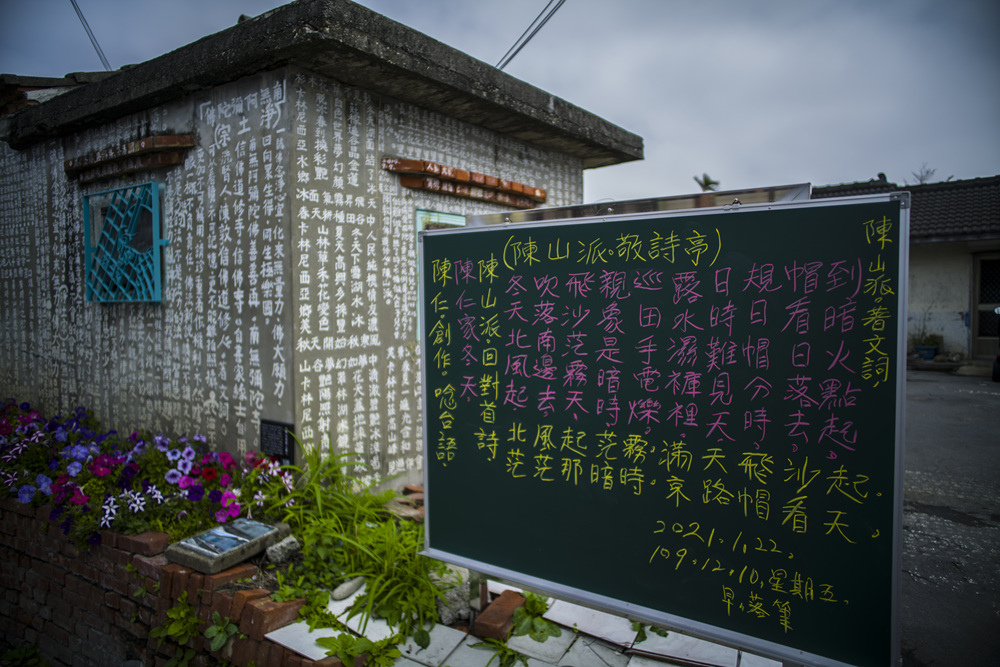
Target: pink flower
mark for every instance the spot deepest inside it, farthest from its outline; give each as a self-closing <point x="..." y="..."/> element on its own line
<point x="185" y="482"/>
<point x="225" y="479"/>
<point x="221" y="516"/>
<point x="229" y="504"/>
<point x="78" y="497"/>
<point x="226" y="459"/>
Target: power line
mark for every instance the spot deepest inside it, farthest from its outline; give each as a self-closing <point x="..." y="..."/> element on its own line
<point x="93" y="40"/>
<point x="533" y="29"/>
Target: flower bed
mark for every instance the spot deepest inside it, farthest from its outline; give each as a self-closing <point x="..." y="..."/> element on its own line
<point x="86" y="516"/>
<point x="97" y="481"/>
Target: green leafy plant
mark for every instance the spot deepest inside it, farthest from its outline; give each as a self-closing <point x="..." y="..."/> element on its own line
<point x="507" y="656"/>
<point x="641" y="635"/>
<point x="529" y="619"/>
<point x="219" y="632"/>
<point x="347" y="648"/>
<point x="346" y="532"/>
<point x="180" y="628"/>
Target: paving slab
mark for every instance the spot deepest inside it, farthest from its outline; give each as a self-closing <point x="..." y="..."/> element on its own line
<point x="752" y="660"/>
<point x="405" y="662"/>
<point x="296" y="637"/>
<point x="467" y="656"/>
<point x="444" y="641"/>
<point x="589" y="651"/>
<point x="683" y="647"/>
<point x="550" y="651"/>
<point x="611" y="628"/>
<point x="375" y="629"/>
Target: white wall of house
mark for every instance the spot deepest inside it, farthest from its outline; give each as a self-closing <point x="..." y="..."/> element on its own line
<point x="939" y="299"/>
<point x="290" y="282"/>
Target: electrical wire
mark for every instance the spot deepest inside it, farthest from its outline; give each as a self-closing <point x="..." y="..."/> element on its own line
<point x="93" y="40"/>
<point x="522" y="41"/>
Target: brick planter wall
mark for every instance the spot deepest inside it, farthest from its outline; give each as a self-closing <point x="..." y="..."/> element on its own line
<point x="86" y="608"/>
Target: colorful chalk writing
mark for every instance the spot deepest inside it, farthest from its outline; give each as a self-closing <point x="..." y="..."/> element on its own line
<point x="704" y="402"/>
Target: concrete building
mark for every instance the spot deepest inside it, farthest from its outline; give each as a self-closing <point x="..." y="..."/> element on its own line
<point x="225" y="236"/>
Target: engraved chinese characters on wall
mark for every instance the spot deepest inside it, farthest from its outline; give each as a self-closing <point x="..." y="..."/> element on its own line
<point x="336" y="230"/>
<point x="228" y="290"/>
<point x="715" y="392"/>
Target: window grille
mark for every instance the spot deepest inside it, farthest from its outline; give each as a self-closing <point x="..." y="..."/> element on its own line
<point x="122" y="252"/>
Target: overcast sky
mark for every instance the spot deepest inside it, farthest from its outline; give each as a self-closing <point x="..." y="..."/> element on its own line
<point x="753" y="92"/>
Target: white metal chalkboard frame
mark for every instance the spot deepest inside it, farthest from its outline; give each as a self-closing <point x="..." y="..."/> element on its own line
<point x="744" y="642"/>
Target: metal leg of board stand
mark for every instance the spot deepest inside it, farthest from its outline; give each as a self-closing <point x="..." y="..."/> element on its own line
<point x="477" y="579"/>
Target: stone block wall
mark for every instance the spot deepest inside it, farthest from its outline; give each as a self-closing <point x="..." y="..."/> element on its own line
<point x="96" y="607"/>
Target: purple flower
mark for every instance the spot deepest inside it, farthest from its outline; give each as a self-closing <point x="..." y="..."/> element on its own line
<point x="188" y="453"/>
<point x="44" y="484"/>
<point x="94" y="539"/>
<point x="173" y="476"/>
<point x="26" y="493"/>
<point x="161" y="442"/>
<point x="214" y="496"/>
<point x="173" y="454"/>
<point x="184" y="466"/>
<point x="61" y="435"/>
<point x="196" y="493"/>
<point x="74" y="468"/>
<point x="199" y="438"/>
<point x="79" y="452"/>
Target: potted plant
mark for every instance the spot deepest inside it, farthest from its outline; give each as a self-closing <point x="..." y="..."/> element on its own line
<point x="926" y="345"/>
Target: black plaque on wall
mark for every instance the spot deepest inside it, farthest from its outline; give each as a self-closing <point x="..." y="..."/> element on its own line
<point x="277" y="440"/>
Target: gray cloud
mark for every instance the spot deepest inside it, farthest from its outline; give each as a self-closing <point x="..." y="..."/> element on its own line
<point x="756" y="93"/>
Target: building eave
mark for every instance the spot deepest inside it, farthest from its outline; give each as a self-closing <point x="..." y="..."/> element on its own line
<point x="351" y="44"/>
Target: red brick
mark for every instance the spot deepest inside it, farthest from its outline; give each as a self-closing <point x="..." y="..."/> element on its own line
<point x="263" y="615"/>
<point x="243" y="571"/>
<point x="109" y="538"/>
<point x="240" y="599"/>
<point x="277" y="656"/>
<point x="69" y="549"/>
<point x="263" y="654"/>
<point x="244" y="650"/>
<point x="222" y="603"/>
<point x="116" y="584"/>
<point x="194" y="587"/>
<point x="145" y="544"/>
<point x="149" y="566"/>
<point x="497" y="619"/>
<point x="112" y="599"/>
<point x="127" y="607"/>
<point x="175" y="580"/>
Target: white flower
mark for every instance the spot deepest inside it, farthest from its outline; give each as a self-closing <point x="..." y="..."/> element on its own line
<point x="110" y="508"/>
<point x="155" y="493"/>
<point x="137" y="503"/>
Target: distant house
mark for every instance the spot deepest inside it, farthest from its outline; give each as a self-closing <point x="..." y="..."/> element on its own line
<point x="954" y="273"/>
<point x="225" y="237"/>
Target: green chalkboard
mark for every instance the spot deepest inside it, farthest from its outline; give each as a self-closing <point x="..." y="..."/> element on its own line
<point x="692" y="419"/>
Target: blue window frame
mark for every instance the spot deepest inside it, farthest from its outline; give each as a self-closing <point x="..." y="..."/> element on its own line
<point x="122" y="253"/>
